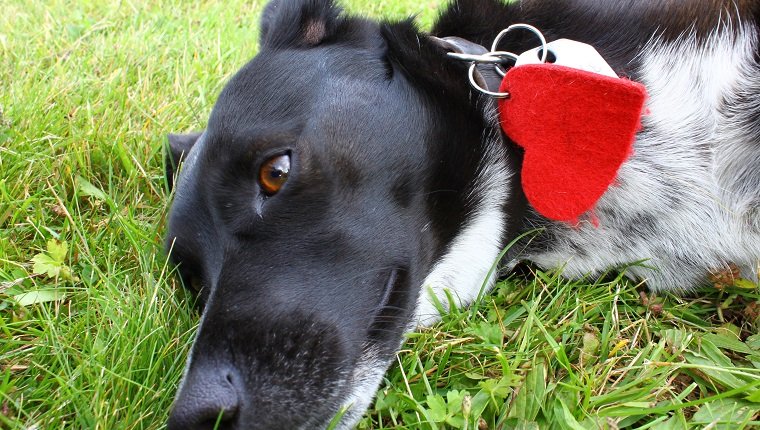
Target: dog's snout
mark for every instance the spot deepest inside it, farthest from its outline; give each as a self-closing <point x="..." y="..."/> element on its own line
<point x="209" y="399"/>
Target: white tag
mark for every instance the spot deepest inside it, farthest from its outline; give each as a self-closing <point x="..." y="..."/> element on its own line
<point x="570" y="53"/>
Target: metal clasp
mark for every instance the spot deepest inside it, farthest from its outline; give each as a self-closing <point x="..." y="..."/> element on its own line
<point x="498" y="58"/>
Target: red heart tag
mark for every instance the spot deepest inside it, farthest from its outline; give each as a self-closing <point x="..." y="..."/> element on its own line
<point x="577" y="129"/>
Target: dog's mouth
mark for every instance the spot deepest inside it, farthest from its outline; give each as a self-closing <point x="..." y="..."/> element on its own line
<point x="391" y="312"/>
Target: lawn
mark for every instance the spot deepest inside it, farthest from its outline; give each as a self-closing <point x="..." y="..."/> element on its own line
<point x="94" y="328"/>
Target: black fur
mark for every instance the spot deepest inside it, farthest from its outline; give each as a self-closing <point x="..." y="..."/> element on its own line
<point x="306" y="293"/>
<point x="311" y="264"/>
<point x="178" y="148"/>
<point x="619" y="31"/>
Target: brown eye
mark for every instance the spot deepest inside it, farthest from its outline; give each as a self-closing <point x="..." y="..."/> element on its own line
<point x="274" y="174"/>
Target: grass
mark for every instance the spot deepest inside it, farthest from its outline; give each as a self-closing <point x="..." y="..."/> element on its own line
<point x="94" y="329"/>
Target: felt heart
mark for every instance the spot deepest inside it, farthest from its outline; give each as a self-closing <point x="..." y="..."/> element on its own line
<point x="577" y="129"/>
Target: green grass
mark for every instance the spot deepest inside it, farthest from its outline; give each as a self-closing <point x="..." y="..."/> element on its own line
<point x="94" y="334"/>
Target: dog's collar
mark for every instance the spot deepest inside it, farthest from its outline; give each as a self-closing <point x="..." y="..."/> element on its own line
<point x="574" y="117"/>
<point x="483" y="75"/>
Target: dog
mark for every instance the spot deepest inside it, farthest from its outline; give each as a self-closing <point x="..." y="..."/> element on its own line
<point x="350" y="176"/>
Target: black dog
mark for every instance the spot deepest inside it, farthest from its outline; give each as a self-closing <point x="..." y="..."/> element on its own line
<point x="349" y="170"/>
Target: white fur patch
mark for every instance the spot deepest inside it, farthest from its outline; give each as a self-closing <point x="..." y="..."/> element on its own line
<point x="670" y="205"/>
<point x="464" y="269"/>
<point x="367" y="376"/>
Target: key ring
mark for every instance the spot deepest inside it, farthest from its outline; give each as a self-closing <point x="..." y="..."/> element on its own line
<point x="501" y="56"/>
<point x="498" y="57"/>
<point x="534" y="30"/>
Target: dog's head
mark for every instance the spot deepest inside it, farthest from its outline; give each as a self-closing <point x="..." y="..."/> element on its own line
<point x="345" y="171"/>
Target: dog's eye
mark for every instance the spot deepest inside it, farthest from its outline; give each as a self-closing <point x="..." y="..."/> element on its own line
<point x="274" y="173"/>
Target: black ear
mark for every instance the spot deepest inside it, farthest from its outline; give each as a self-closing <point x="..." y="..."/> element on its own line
<point x="424" y="61"/>
<point x="177" y="150"/>
<point x="298" y="23"/>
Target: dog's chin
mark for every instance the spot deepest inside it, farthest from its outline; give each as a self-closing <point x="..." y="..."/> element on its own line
<point x="368" y="376"/>
<point x="392" y="320"/>
<point x="375" y="360"/>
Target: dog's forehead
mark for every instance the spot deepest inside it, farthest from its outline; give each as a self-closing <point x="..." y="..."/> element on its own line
<point x="345" y="117"/>
<point x="285" y="85"/>
<point x="328" y="101"/>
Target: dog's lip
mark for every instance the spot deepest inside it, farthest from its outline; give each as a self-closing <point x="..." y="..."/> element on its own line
<point x="390" y="285"/>
<point x="387" y="312"/>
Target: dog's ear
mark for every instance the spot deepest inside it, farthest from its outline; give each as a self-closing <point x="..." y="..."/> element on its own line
<point x="423" y="60"/>
<point x="176" y="151"/>
<point x="298" y="23"/>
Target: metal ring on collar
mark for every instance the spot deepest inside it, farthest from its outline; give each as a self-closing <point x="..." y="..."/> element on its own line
<point x="482" y="58"/>
<point x="534" y="30"/>
<point x="502" y="55"/>
<point x="528" y="27"/>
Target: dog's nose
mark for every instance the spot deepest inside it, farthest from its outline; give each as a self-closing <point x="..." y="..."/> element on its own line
<point x="208" y="400"/>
